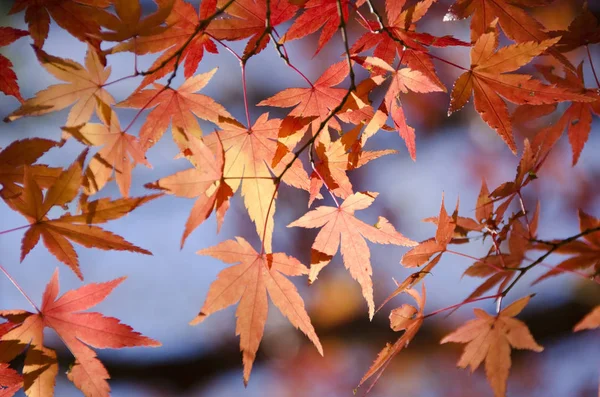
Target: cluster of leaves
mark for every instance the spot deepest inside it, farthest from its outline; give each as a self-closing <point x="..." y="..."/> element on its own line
<point x="328" y="125"/>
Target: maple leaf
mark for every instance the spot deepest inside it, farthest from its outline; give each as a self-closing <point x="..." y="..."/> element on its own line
<point x="176" y="106"/>
<point x="120" y="153"/>
<point x="248" y="156"/>
<point x="316" y="102"/>
<point x="318" y="14"/>
<point x="77" y="330"/>
<point x="84" y="87"/>
<point x="577" y="119"/>
<point x="248" y="282"/>
<point x="338" y="157"/>
<point x="204" y="181"/>
<point x="398" y="36"/>
<point x="341" y="228"/>
<point x="488" y="81"/>
<point x="515" y="22"/>
<point x="10" y="381"/>
<point x="128" y="22"/>
<point x="183" y="22"/>
<point x="13" y="160"/>
<point x="406" y="318"/>
<point x="78" y="17"/>
<point x="56" y="233"/>
<point x="421" y="254"/>
<point x="591" y="321"/>
<point x="248" y="19"/>
<point x="586" y="253"/>
<point x="490" y="338"/>
<point x="402" y="80"/>
<point x="498" y="268"/>
<point x="8" y="78"/>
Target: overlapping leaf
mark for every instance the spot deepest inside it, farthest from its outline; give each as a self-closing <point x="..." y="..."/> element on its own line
<point x="577" y="119"/>
<point x="248" y="19"/>
<point x="204" y="181"/>
<point x="183" y="22"/>
<point x="515" y="22"/>
<point x="340" y="229"/>
<point x="57" y="234"/>
<point x="489" y="82"/>
<point x="84" y="86"/>
<point x="491" y="338"/>
<point x="248" y="282"/>
<point x="318" y="14"/>
<point x="316" y="102"/>
<point x="177" y="107"/>
<point x="128" y="21"/>
<point x="248" y="156"/>
<point x="77" y="331"/>
<point x="336" y="159"/>
<point x="78" y="17"/>
<point x="120" y="152"/>
<point x="399" y="37"/>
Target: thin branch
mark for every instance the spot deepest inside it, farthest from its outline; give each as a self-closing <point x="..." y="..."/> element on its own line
<point x="553" y="247"/>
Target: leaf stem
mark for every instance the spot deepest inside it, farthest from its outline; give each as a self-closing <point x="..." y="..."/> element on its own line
<point x="462" y="304"/>
<point x="14" y="229"/>
<point x="14" y="282"/>
<point x="587" y="47"/>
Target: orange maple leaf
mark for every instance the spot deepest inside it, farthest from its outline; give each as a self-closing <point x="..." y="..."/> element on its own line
<point x="490" y="338"/>
<point x="77" y="330"/>
<point x="84" y="87"/>
<point x="577" y="119"/>
<point x="119" y="154"/>
<point x="56" y="233"/>
<point x="400" y="37"/>
<point x="318" y="14"/>
<point x="316" y="102"/>
<point x="177" y="107"/>
<point x="248" y="282"/>
<point x="78" y="17"/>
<point x="402" y="81"/>
<point x="515" y="22"/>
<point x="129" y="23"/>
<point x="183" y="22"/>
<point x="204" y="181"/>
<point x="248" y="19"/>
<point x="341" y="228"/>
<point x="488" y="81"/>
<point x="248" y="156"/>
<point x="336" y="159"/>
<point x="421" y="254"/>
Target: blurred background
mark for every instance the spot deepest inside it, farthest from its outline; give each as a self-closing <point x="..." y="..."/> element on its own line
<point x="164" y="292"/>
